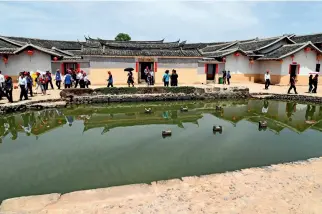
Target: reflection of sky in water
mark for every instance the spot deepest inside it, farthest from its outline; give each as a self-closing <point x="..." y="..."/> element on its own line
<point x="131" y="149"/>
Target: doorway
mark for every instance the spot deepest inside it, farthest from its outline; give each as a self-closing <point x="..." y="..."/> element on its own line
<point x="69" y="66"/>
<point x="211" y="72"/>
<point x="142" y="67"/>
<point x="293" y="70"/>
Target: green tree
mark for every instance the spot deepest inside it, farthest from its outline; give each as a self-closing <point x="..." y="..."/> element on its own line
<point x="122" y="37"/>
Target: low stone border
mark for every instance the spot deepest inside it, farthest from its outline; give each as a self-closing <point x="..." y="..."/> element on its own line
<point x="156" y="97"/>
<point x="288" y="97"/>
<point x="19" y="107"/>
<point x="85" y="96"/>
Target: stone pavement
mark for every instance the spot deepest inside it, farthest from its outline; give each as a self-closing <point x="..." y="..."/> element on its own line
<point x="253" y="88"/>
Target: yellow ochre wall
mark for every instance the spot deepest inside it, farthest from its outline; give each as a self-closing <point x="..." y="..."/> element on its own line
<point x="186" y="76"/>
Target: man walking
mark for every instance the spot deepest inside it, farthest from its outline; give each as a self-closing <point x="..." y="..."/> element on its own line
<point x="292" y="82"/>
<point x="8" y="88"/>
<point x="58" y="78"/>
<point x="267" y="79"/>
<point x="23" y="86"/>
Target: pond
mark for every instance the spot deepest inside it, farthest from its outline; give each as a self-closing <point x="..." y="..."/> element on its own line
<point x="85" y="147"/>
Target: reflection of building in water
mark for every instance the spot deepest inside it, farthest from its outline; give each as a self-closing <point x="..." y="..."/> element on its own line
<point x="31" y="123"/>
<point x="290" y="114"/>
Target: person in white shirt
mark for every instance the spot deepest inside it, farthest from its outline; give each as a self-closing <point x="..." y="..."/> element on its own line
<point x="79" y="76"/>
<point x="86" y="80"/>
<point x="267" y="79"/>
<point x="265" y="107"/>
<point x="1" y="85"/>
<point x="23" y="86"/>
<point x="151" y="77"/>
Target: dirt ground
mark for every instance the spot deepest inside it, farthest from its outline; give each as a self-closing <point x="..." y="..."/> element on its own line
<point x="285" y="188"/>
<point x="253" y="88"/>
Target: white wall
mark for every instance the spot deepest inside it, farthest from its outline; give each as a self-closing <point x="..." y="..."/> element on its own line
<point x="24" y="62"/>
<point x="274" y="67"/>
<point x="240" y="65"/>
<point x="307" y="62"/>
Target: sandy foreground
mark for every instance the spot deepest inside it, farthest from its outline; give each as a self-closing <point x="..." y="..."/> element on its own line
<point x="284" y="188"/>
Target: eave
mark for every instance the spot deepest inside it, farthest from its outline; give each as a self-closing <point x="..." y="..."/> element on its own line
<point x="52" y="53"/>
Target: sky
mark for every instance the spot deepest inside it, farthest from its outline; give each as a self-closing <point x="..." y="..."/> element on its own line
<point x="193" y="21"/>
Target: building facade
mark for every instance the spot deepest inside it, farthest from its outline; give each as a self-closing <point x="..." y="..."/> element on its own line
<point x="195" y="63"/>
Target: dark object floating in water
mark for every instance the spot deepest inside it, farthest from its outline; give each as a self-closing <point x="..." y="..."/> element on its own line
<point x="166" y="133"/>
<point x="148" y="110"/>
<point x="262" y="125"/>
<point x="218" y="108"/>
<point x="216" y="129"/>
<point x="184" y="108"/>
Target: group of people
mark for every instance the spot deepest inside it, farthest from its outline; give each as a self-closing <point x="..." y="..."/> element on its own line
<point x="313" y="83"/>
<point x="149" y="75"/>
<point x="6" y="87"/>
<point x="43" y="81"/>
<point x="172" y="78"/>
<point x="226" y="77"/>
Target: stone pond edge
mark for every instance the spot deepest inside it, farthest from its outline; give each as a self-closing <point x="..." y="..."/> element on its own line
<point x="36" y="203"/>
<point x="214" y="94"/>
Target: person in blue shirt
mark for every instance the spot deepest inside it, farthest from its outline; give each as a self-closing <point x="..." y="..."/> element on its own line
<point x="68" y="80"/>
<point x="58" y="78"/>
<point x="166" y="78"/>
<point x="110" y="80"/>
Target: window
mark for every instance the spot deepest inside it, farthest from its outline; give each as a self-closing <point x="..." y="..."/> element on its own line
<point x="317" y="67"/>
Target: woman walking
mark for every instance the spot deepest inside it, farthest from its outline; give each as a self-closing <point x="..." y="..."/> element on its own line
<point x="310" y="83"/>
<point x="166" y="78"/>
<point x="315" y="83"/>
<point x="29" y="83"/>
<point x="110" y="80"/>
<point x="86" y="80"/>
<point x="42" y="81"/>
<point x="130" y="79"/>
<point x="174" y="78"/>
<point x="68" y="80"/>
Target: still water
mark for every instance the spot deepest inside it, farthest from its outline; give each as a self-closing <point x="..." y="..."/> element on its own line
<point x="87" y="147"/>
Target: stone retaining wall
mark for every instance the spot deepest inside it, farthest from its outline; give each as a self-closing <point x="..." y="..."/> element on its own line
<point x="85" y="96"/>
<point x="288" y="97"/>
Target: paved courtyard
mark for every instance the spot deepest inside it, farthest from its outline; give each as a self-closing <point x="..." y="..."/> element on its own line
<point x="253" y="87"/>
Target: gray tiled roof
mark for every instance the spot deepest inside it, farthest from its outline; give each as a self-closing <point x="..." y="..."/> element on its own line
<point x="284" y="50"/>
<point x="254" y="45"/>
<point x="212" y="48"/>
<point x="63" y="45"/>
<point x="142" y="52"/>
<point x="314" y="38"/>
<point x="145" y="46"/>
<point x="107" y="41"/>
<point x="7" y="50"/>
<point x="219" y="53"/>
<point x="4" y="44"/>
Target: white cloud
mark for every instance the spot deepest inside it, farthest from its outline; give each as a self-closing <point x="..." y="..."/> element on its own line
<point x="192" y="21"/>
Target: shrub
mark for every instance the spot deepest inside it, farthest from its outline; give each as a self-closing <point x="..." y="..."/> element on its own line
<point x="147" y="90"/>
